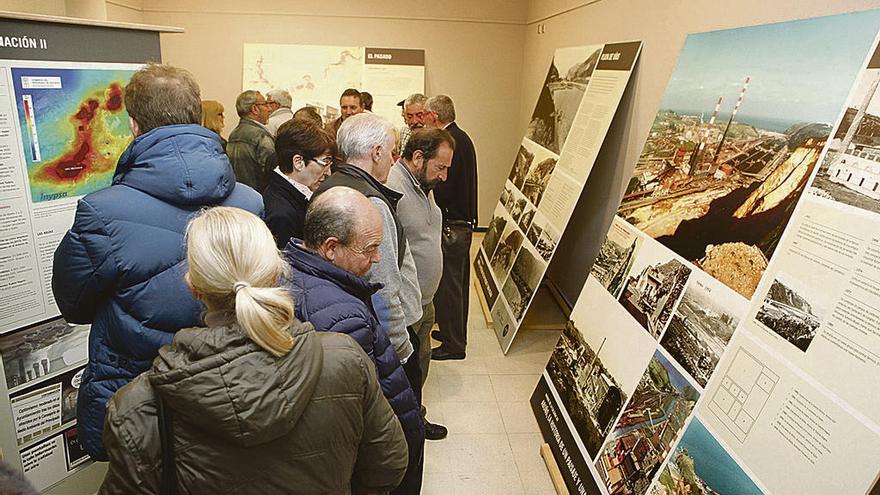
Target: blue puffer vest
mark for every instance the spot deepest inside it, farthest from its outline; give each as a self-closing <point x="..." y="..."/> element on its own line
<point x="121" y="265"/>
<point x="334" y="300"/>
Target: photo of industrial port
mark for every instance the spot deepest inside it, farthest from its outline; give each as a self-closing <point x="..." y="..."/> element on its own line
<point x="561" y="95"/>
<point x="739" y="132"/>
<point x="646" y="430"/>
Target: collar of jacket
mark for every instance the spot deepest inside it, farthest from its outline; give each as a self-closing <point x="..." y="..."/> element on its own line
<point x="307" y="261"/>
<point x="245" y="395"/>
<point x="390" y="194"/>
<point x="180" y="164"/>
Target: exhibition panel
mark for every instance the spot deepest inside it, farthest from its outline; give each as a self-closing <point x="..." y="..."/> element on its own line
<point x="63" y="126"/>
<point x="316" y="75"/>
<point x="577" y="103"/>
<point x="737" y="281"/>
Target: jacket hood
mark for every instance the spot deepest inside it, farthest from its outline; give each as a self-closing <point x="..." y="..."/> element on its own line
<point x="221" y="381"/>
<point x="179" y="164"/>
<point x="309" y="262"/>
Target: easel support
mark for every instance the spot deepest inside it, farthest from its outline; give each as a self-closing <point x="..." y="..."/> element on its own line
<point x="553" y="470"/>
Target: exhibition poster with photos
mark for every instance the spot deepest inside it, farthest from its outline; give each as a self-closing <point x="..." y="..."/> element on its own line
<point x="578" y="100"/>
<point x="727" y="339"/>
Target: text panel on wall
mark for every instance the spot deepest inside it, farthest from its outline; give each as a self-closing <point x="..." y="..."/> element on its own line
<point x="725" y="339"/>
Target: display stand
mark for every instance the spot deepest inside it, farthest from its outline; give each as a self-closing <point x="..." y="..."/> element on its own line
<point x="553" y="469"/>
<point x="52" y="68"/>
<point x="484" y="305"/>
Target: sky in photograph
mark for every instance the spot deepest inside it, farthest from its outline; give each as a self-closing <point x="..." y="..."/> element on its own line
<point x="675" y="378"/>
<point x="565" y="58"/>
<point x="801" y="71"/>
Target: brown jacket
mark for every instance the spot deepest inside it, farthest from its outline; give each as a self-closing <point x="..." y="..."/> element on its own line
<point x="313" y="421"/>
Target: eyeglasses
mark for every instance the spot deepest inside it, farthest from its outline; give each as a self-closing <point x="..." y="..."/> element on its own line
<point x="326" y="162"/>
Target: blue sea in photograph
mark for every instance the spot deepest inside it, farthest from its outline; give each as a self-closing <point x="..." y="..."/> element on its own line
<point x="713" y="464"/>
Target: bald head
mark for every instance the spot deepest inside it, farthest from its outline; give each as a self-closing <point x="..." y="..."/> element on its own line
<point x="345" y="228"/>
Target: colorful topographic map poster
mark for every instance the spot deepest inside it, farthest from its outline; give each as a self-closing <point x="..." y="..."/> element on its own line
<point x="73" y="126"/>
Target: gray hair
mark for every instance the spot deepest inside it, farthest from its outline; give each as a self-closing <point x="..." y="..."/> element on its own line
<point x="158" y="95"/>
<point x="281" y="97"/>
<point x="359" y="134"/>
<point x="245" y="102"/>
<point x="444" y="108"/>
<point x="415" y="98"/>
<point x="332" y="214"/>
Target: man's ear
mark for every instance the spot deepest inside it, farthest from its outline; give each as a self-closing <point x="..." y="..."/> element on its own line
<point x="377" y="153"/>
<point x="330" y="249"/>
<point x="134" y="126"/>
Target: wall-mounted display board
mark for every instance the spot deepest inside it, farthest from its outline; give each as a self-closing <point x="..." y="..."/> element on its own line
<point x="63" y="126"/>
<point x="578" y="100"/>
<point x="727" y="339"/>
<point x="317" y="75"/>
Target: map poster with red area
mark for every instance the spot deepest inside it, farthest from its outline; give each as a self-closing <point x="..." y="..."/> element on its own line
<point x="73" y="126"/>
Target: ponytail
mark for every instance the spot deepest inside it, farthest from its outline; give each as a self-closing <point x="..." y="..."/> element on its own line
<point x="234" y="265"/>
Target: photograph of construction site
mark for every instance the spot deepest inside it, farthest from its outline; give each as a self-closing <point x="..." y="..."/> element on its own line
<point x="701" y="466"/>
<point x="739" y="132"/>
<point x="850" y="171"/>
<point x="510" y="243"/>
<point x="790" y="310"/>
<point x="590" y="393"/>
<point x="521" y="165"/>
<point x="655" y="284"/>
<point x="561" y="95"/>
<point x="702" y="326"/>
<point x="646" y="430"/>
<point x="616" y="256"/>
<point x="528" y="268"/>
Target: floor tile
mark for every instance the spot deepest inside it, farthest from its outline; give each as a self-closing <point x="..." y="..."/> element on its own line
<point x="518" y="417"/>
<point x="467" y="417"/>
<point x="457" y="388"/>
<point x="512" y="388"/>
<point x="470" y="453"/>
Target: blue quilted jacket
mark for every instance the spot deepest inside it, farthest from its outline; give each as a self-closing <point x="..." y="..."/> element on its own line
<point x="121" y="265"/>
<point x="334" y="300"/>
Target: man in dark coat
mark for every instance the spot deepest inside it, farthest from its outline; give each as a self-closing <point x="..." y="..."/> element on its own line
<point x="457" y="198"/>
<point x="251" y="147"/>
<point x="343" y="232"/>
<point x="121" y="265"/>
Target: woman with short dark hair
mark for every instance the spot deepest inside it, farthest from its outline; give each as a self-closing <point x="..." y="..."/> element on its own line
<point x="304" y="158"/>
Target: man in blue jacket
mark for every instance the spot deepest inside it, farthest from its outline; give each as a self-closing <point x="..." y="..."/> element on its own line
<point x="121" y="265"/>
<point x="343" y="233"/>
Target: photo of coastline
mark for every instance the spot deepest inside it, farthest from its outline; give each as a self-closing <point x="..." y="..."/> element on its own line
<point x="701" y="466"/>
<point x="791" y="310"/>
<point x="739" y="132"/>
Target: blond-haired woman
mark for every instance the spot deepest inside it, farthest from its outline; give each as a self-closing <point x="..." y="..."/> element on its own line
<point x="255" y="401"/>
<point x="213" y="119"/>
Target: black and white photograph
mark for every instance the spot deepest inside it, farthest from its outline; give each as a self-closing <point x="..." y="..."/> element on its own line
<point x="616" y="256"/>
<point x="524" y="278"/>
<point x="792" y="310"/>
<point x="505" y="195"/>
<point x="521" y="166"/>
<point x="503" y="323"/>
<point x="589" y="390"/>
<point x="494" y="231"/>
<point x="526" y="219"/>
<point x="38" y="350"/>
<point x="702" y="325"/>
<point x="536" y="182"/>
<point x="850" y="171"/>
<point x="561" y="95"/>
<point x="506" y="252"/>
<point x="653" y="289"/>
<point x="519" y="206"/>
<point x="535" y="230"/>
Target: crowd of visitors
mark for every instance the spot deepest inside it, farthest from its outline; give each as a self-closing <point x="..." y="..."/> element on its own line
<point x="262" y="308"/>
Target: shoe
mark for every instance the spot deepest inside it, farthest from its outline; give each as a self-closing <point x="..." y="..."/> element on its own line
<point x="435" y="432"/>
<point x="441" y="354"/>
<point x="435" y="334"/>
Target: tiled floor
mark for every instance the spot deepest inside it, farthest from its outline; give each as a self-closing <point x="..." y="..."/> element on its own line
<point x="493" y="443"/>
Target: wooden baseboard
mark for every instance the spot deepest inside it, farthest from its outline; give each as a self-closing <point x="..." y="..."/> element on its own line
<point x="553" y="469"/>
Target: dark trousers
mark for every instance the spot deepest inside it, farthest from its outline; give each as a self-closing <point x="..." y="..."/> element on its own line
<point x="412" y="480"/>
<point x="451" y="299"/>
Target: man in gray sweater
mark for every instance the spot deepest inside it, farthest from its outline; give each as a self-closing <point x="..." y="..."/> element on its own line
<point x="424" y="164"/>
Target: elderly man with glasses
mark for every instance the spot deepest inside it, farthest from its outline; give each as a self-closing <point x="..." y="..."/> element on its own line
<point x="251" y="147"/>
